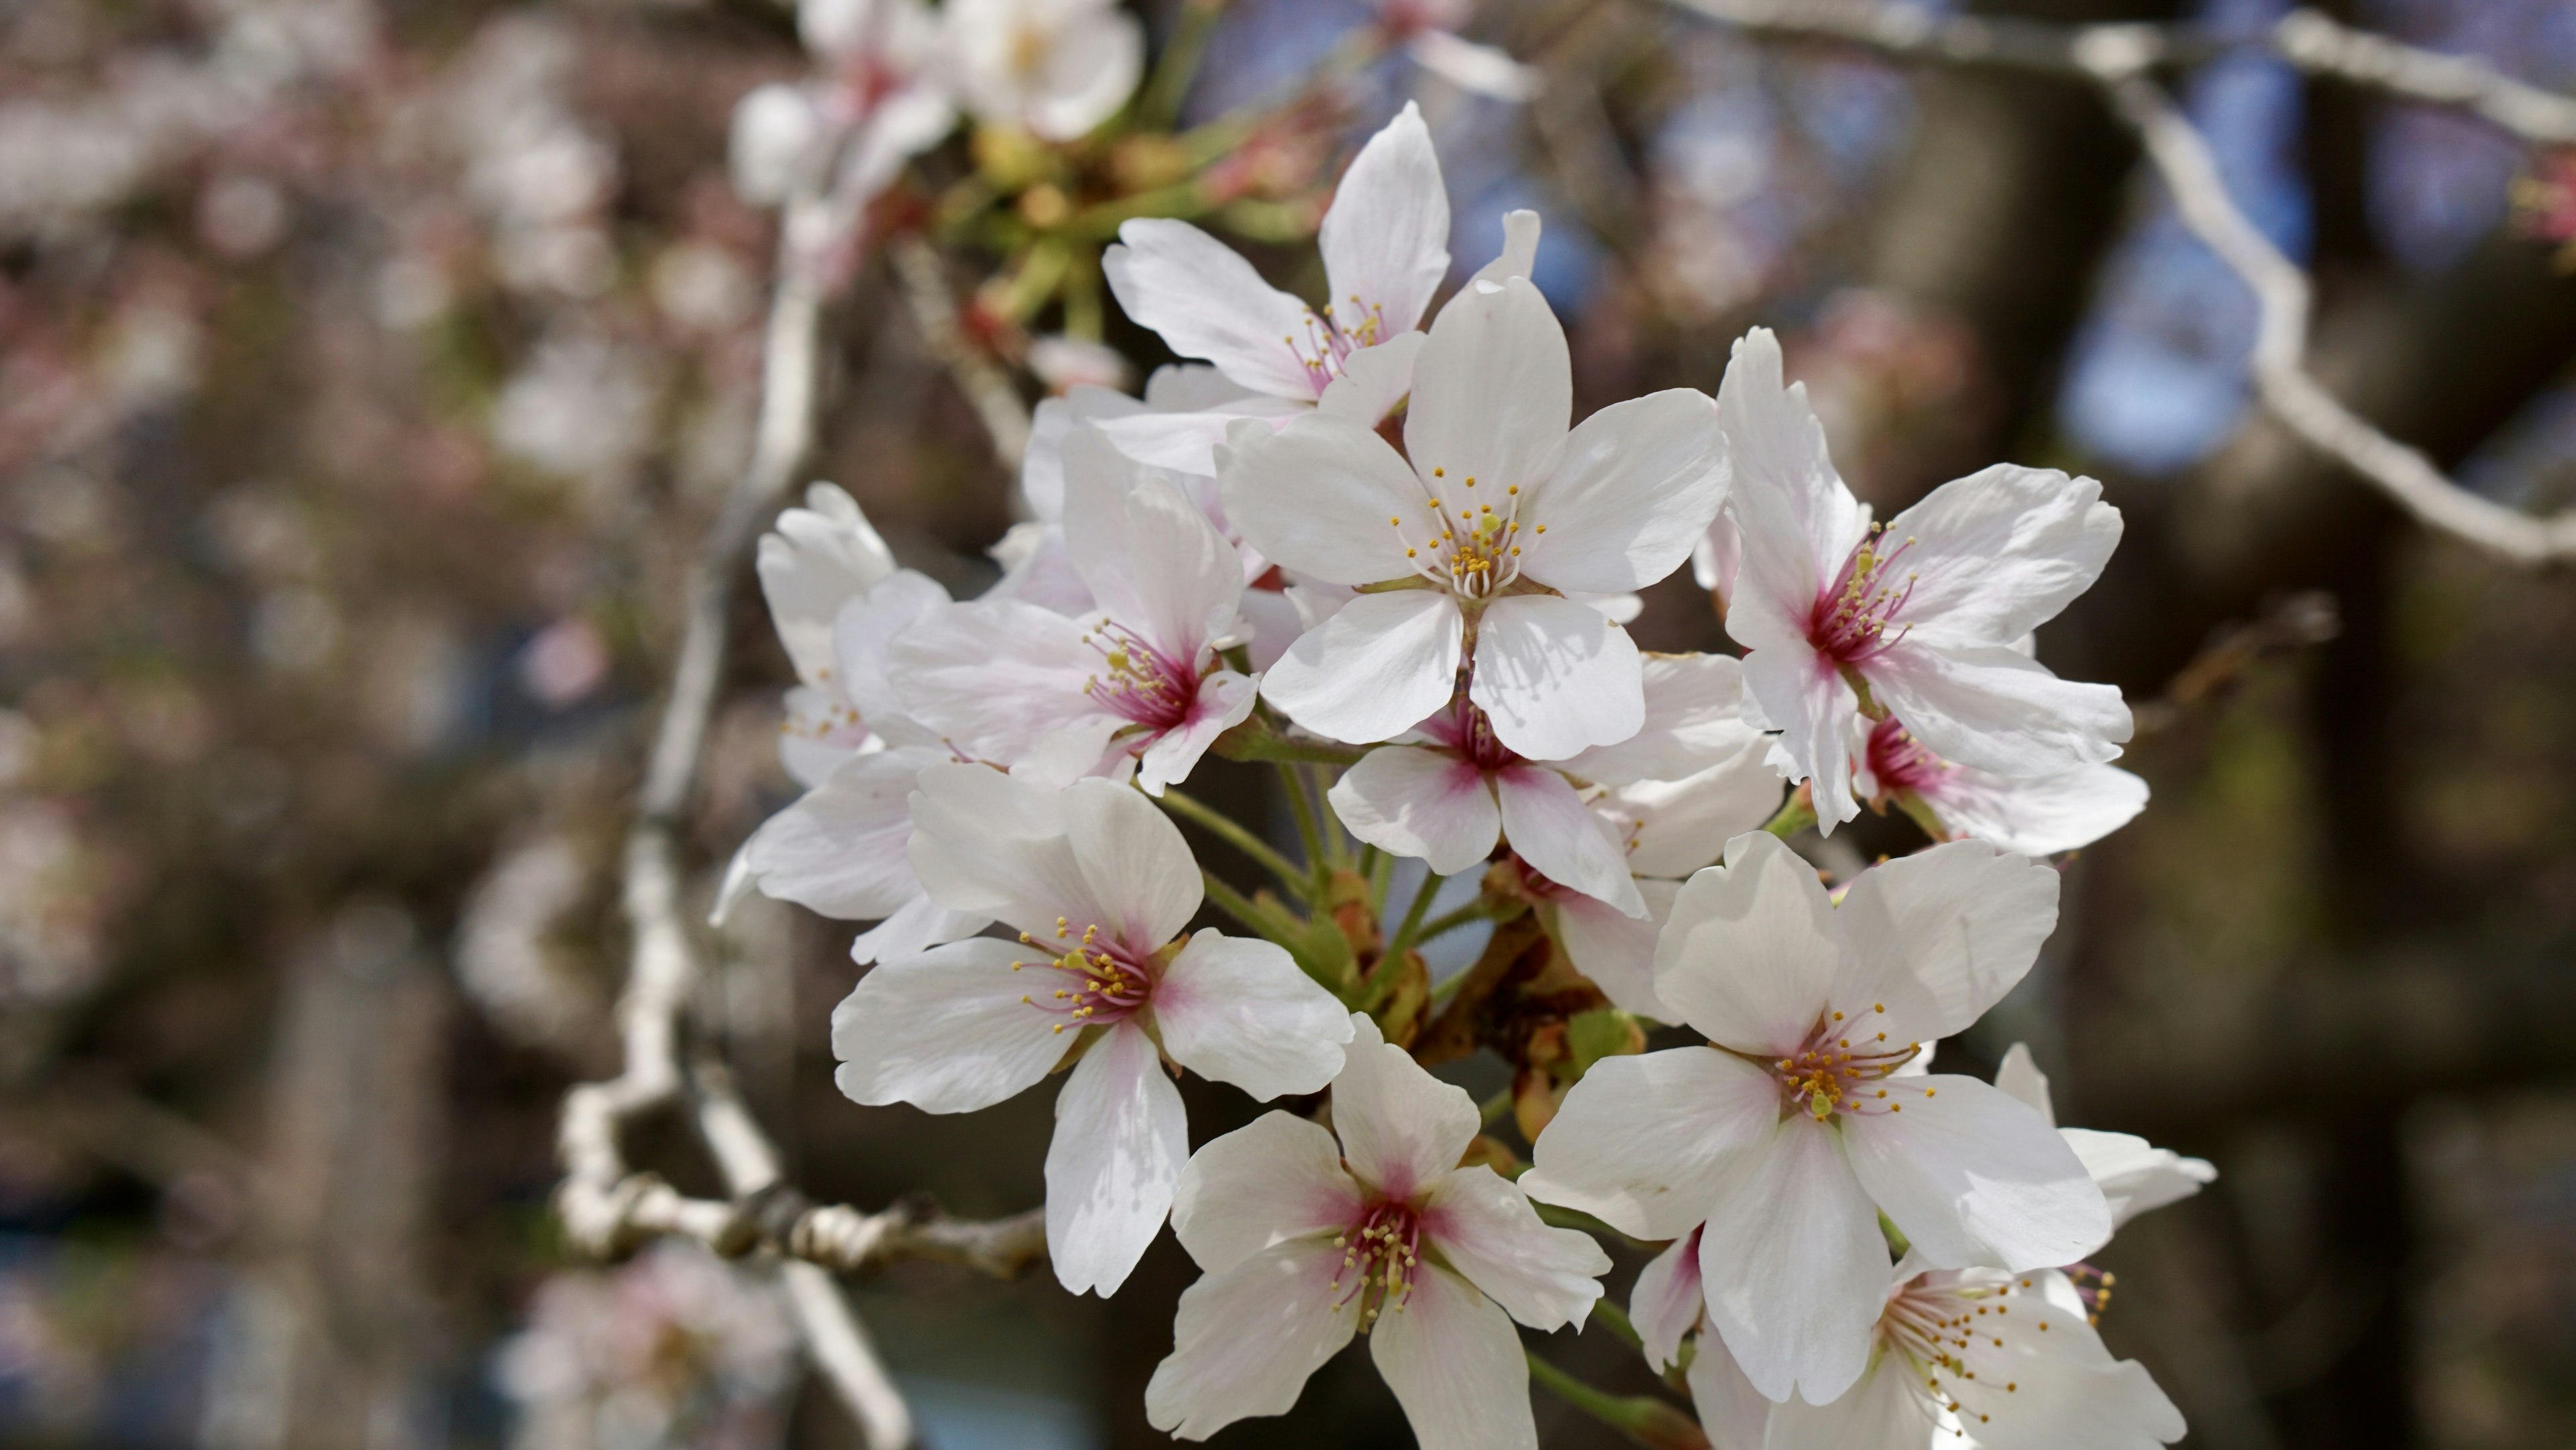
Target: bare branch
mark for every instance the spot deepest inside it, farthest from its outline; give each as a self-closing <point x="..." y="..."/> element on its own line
<point x="924" y="284"/>
<point x="2319" y="45"/>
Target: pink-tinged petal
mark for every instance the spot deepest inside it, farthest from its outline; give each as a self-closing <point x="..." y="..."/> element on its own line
<point x="1797" y="520"/>
<point x="916" y="926"/>
<point x="1940" y="936"/>
<point x="863" y="636"/>
<point x="1135" y="861"/>
<point x="1385" y="239"/>
<point x="2134" y="1174"/>
<point x="1804" y="696"/>
<point x="1562" y="839"/>
<point x="819" y="557"/>
<point x="1793" y="1264"/>
<point x="1225" y="700"/>
<point x="2040" y="816"/>
<point x="1241" y="1011"/>
<point x="1614" y="949"/>
<point x="1883" y="1410"/>
<point x="988" y="843"/>
<point x="1973" y="1177"/>
<point x="1373" y="381"/>
<point x="1642" y="1143"/>
<point x="1402" y="1129"/>
<point x="1732" y="1413"/>
<point x="1556" y="677"/>
<point x="1120" y="1140"/>
<point x="1675" y="827"/>
<point x="994" y="677"/>
<point x="1492" y="393"/>
<point x="1991" y="557"/>
<point x="1634" y="488"/>
<point x="1519" y="253"/>
<point x="1053" y="421"/>
<point x="1751" y="952"/>
<point x="1368" y="673"/>
<point x="948" y="1031"/>
<point x="1454" y="1362"/>
<point x="839" y="850"/>
<point x="1037" y="569"/>
<point x="1694" y="718"/>
<point x="1324" y="497"/>
<point x="1665" y="1304"/>
<point x="1993" y="708"/>
<point x="1544" y="1277"/>
<point x="1148" y="554"/>
<point x="1247" y="1337"/>
<point x="1418" y="802"/>
<point x="1207" y="302"/>
<point x="1276" y="1179"/>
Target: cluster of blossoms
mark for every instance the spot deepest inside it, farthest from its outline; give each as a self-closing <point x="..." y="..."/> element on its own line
<point x="1356" y="534"/>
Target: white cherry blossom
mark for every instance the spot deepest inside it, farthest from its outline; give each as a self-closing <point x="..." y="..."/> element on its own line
<point x="1099" y="884"/>
<point x="1306" y="1241"/>
<point x="817" y="559"/>
<point x="2039" y="816"/>
<point x="1011" y="682"/>
<point x="1795" y="1128"/>
<point x="1918" y="618"/>
<point x="1465" y="551"/>
<point x="875" y="102"/>
<point x="1428" y="32"/>
<point x="1056" y="68"/>
<point x="2135" y="1175"/>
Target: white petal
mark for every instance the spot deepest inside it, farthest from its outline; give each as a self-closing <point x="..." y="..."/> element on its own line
<point x="1616" y="950"/>
<point x="1635" y="487"/>
<point x="1241" y="1011"/>
<point x="1455" y="1364"/>
<point x="1376" y="667"/>
<point x="1385" y="239"/>
<point x="1558" y="835"/>
<point x="1373" y="381"/>
<point x="1805" y="697"/>
<point x="1188" y="442"/>
<point x="1797" y="520"/>
<point x="1135" y="860"/>
<point x="948" y="1031"/>
<point x="2040" y="816"/>
<point x="1990" y="557"/>
<point x="1148" y="554"/>
<point x="1091" y="68"/>
<point x="1207" y="302"/>
<point x="819" y="558"/>
<point x="1732" y="1413"/>
<point x="1492" y="393"/>
<point x="1793" y="1264"/>
<point x="1694" y="718"/>
<point x="1973" y="1177"/>
<point x="2134" y="1174"/>
<point x="1751" y="952"/>
<point x="1279" y="1177"/>
<point x="1544" y="1277"/>
<point x="1481" y="70"/>
<point x="1991" y="707"/>
<point x="1246" y="1339"/>
<point x="1555" y="676"/>
<point x="1402" y="1129"/>
<point x="2018" y="1077"/>
<point x="1225" y="700"/>
<point x="989" y="843"/>
<point x="1642" y="1142"/>
<point x="863" y="636"/>
<point x="1419" y="802"/>
<point x="916" y="926"/>
<point x="2069" y="1393"/>
<point x="1882" y="1412"/>
<point x="1519" y="253"/>
<point x="839" y="850"/>
<point x="1120" y="1140"/>
<point x="1665" y="1304"/>
<point x="995" y="677"/>
<point x="1940" y="936"/>
<point x="777" y="144"/>
<point x="1678" y="826"/>
<point x="1323" y="496"/>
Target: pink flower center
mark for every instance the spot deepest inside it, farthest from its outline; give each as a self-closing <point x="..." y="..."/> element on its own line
<point x="1901" y="763"/>
<point x="1141" y="683"/>
<point x="1100" y="979"/>
<point x="1853" y="613"/>
<point x="1380" y="1254"/>
<point x="1330" y="340"/>
<point x="1839" y="1067"/>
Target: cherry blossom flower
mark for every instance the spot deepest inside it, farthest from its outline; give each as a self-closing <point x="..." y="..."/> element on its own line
<point x="818" y="558"/>
<point x="1795" y="1129"/>
<point x="1055" y="67"/>
<point x="1306" y="1241"/>
<point x="1385" y="242"/>
<point x="2036" y="817"/>
<point x="1007" y="681"/>
<point x="1428" y="32"/>
<point x="1918" y="618"/>
<point x="2135" y="1175"/>
<point x="1095" y="875"/>
<point x="1464" y="552"/>
<point x="875" y="103"/>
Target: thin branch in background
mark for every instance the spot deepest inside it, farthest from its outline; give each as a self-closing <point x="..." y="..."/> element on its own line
<point x="2119" y="59"/>
<point x="2297" y="622"/>
<point x="923" y="281"/>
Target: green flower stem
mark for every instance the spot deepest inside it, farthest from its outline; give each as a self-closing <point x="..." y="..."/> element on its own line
<point x="1235" y="904"/>
<point x="1467" y="915"/>
<point x="1254" y="740"/>
<point x="1233" y="834"/>
<point x="1293" y="781"/>
<point x="1642" y="1418"/>
<point x="1798" y="814"/>
<point x="1615" y="1319"/>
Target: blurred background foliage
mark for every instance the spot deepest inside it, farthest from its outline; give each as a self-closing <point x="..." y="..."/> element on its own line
<point x="367" y="371"/>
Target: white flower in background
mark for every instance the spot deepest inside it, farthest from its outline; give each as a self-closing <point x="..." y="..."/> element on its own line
<point x="1307" y="1241"/>
<point x="2039" y="816"/>
<point x="1428" y="31"/>
<point x="817" y="559"/>
<point x="1386" y="248"/>
<point x="1793" y="1131"/>
<point x="1055" y="67"/>
<point x="1010" y="682"/>
<point x="2135" y="1175"/>
<point x="874" y="104"/>
<point x="1498" y="512"/>
<point x="1099" y="885"/>
<point x="1923" y="613"/>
